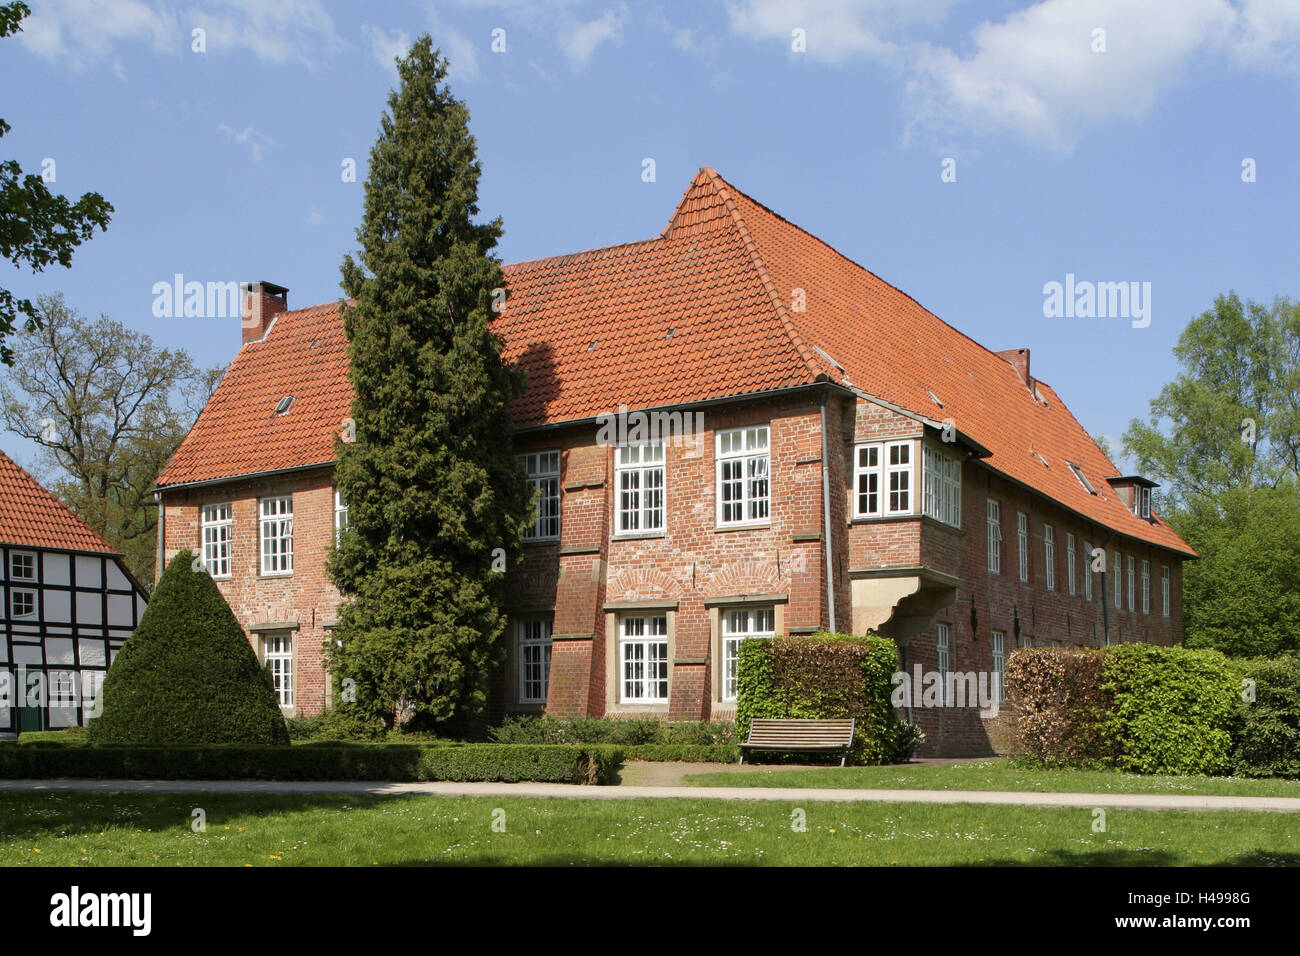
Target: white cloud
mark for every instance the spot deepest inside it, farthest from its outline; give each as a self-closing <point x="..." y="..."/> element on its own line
<point x="76" y="31"/>
<point x="277" y="31"/>
<point x="835" y="30"/>
<point x="581" y="41"/>
<point x="386" y="45"/>
<point x="315" y="216"/>
<point x="460" y="51"/>
<point x="248" y="137"/>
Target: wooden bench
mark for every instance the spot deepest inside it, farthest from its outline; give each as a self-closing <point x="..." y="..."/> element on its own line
<point x="800" y="735"/>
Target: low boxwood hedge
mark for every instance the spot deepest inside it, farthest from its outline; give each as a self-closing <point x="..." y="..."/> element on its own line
<point x="695" y="753"/>
<point x="595" y="764"/>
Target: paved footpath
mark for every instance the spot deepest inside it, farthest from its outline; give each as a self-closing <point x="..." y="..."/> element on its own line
<point x="1117" y="801"/>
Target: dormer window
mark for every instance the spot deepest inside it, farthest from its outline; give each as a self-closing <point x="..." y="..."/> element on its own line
<point x="1134" y="491"/>
<point x="1142" y="503"/>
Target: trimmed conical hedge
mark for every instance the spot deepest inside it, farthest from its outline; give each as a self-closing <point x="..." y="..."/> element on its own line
<point x="188" y="674"/>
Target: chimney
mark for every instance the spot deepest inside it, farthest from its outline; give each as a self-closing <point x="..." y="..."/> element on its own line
<point x="263" y="301"/>
<point x="1019" y="359"/>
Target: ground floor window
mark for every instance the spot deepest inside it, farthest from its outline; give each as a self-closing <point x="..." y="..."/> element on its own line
<point x="1000" y="663"/>
<point x="643" y="659"/>
<point x="277" y="653"/>
<point x="534" y="660"/>
<point x="736" y="626"/>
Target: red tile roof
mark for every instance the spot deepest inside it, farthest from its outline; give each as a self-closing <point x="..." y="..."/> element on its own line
<point x="32" y="517"/>
<point x="703" y="311"/>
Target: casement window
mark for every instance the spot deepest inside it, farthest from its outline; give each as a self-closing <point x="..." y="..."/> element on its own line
<point x="277" y="535"/>
<point x="1142" y="502"/>
<point x="1131" y="582"/>
<point x="1087" y="571"/>
<point x="941" y="642"/>
<point x="898" y="478"/>
<point x="534" y="660"/>
<point x="643" y="659"/>
<point x="543" y="471"/>
<point x="1022" y="543"/>
<point x="340" y="517"/>
<point x="1118" y="586"/>
<point x="277" y="655"/>
<point x="995" y="536"/>
<point x="1069" y="563"/>
<point x="1146" y="586"/>
<point x="218" y="531"/>
<point x="942" y="482"/>
<point x="999" y="640"/>
<point x="743" y="461"/>
<point x="22" y="566"/>
<point x="1164" y="591"/>
<point x="1049" y="556"/>
<point x="736" y="626"/>
<point x="22" y="603"/>
<point x="867" y="475"/>
<point x="1026" y="640"/>
<point x="639" y="487"/>
<point x="883" y="474"/>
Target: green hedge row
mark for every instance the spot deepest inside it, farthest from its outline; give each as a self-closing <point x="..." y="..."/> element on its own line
<point x="402" y="762"/>
<point x="695" y="753"/>
<point x="1268" y="744"/>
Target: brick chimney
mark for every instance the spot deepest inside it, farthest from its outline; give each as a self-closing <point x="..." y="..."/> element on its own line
<point x="263" y="301"/>
<point x="1019" y="359"/>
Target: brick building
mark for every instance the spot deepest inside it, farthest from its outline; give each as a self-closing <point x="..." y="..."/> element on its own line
<point x="735" y="431"/>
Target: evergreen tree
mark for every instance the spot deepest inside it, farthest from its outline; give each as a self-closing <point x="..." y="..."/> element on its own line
<point x="437" y="504"/>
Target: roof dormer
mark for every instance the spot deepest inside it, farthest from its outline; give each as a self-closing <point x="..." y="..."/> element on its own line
<point x="1135" y="492"/>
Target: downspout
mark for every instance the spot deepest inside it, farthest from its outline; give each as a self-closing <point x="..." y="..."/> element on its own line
<point x="826" y="510"/>
<point x="158" y="551"/>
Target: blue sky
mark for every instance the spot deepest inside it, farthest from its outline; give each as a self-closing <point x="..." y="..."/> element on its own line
<point x="1122" y="164"/>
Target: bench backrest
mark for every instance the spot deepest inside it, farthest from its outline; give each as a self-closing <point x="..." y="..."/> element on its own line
<point x="830" y="733"/>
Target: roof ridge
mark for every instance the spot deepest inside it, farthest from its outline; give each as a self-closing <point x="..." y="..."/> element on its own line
<point x="816" y="367"/>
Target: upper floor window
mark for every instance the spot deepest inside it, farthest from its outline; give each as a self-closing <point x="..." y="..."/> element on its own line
<point x="1131" y="582"/>
<point x="1069" y="563"/>
<point x="1164" y="591"/>
<point x="1118" y="587"/>
<point x="1022" y="543"/>
<point x="736" y="626"/>
<point x="22" y="603"/>
<point x="277" y="535"/>
<point x="1142" y="501"/>
<point x="543" y="471"/>
<point x="639" y="487"/>
<point x="743" y="467"/>
<point x="22" y="566"/>
<point x="1049" y="556"/>
<point x="883" y="478"/>
<point x="217" y="529"/>
<point x="1087" y="571"/>
<point x="340" y="516"/>
<point x="1146" y="587"/>
<point x="942" y="484"/>
<point x="534" y="660"/>
<point x="995" y="536"/>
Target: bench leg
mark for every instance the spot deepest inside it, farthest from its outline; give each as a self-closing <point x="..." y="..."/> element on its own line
<point x="742" y="758"/>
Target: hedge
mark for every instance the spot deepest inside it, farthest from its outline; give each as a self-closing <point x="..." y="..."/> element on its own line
<point x="826" y="676"/>
<point x="694" y="753"/>
<point x="1059" y="705"/>
<point x="624" y="731"/>
<point x="1268" y="742"/>
<point x="328" y="761"/>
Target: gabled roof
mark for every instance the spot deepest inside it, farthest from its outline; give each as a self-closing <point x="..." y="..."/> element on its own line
<point x="703" y="311"/>
<point x="32" y="517"/>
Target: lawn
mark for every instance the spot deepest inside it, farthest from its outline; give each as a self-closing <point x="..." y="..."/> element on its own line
<point x="115" y="829"/>
<point x="994" y="774"/>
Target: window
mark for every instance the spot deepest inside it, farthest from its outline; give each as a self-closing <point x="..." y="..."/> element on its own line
<point x="22" y="566"/>
<point x="543" y="471"/>
<point x="1146" y="587"/>
<point x="1026" y="640"/>
<point x="22" y="603"/>
<point x="1000" y="663"/>
<point x="1142" y="502"/>
<point x="1022" y="541"/>
<point x="884" y="479"/>
<point x="1164" y="591"/>
<point x="639" y="480"/>
<point x="1131" y="582"/>
<point x="1069" y="563"/>
<point x="1049" y="556"/>
<point x="942" y="644"/>
<point x="340" y="517"/>
<point x="898" y="471"/>
<point x="1083" y="479"/>
<point x="534" y="660"/>
<point x="217" y="534"/>
<point x="736" y="626"/>
<point x="942" y="479"/>
<point x="743" y="464"/>
<point x="1118" y="585"/>
<point x="643" y="659"/>
<point x="277" y="535"/>
<point x="868" y="481"/>
<point x="277" y="652"/>
<point x="995" y="536"/>
<point x="1087" y="571"/>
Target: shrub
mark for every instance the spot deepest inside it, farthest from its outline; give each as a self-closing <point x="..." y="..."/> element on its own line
<point x="624" y="731"/>
<point x="826" y="676"/>
<point x="1058" y="705"/>
<point x="1268" y="744"/>
<point x="694" y="753"/>
<point x="188" y="675"/>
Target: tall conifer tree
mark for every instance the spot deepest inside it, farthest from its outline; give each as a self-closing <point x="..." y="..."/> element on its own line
<point x="437" y="504"/>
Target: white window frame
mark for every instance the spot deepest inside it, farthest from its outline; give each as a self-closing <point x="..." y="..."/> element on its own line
<point x="1117" y="572"/>
<point x="340" y="516"/>
<point x="1146" y="586"/>
<point x="1132" y="575"/>
<point x="1142" y="501"/>
<point x="1165" y="586"/>
<point x="941" y="479"/>
<point x="216" y="535"/>
<point x="868" y="480"/>
<point x="640" y="488"/>
<point x="1069" y="563"/>
<point x="31" y="598"/>
<point x="993" y="513"/>
<point x="1049" y="555"/>
<point x="650" y="635"/>
<point x="899" y="484"/>
<point x="1087" y="570"/>
<point x="737" y="625"/>
<point x="743" y="476"/>
<point x="276" y="525"/>
<point x="542" y="469"/>
<point x="943" y="646"/>
<point x="277" y="652"/>
<point x="30" y="558"/>
<point x="1022" y="543"/>
<point x="999" y="643"/>
<point x="534" y="643"/>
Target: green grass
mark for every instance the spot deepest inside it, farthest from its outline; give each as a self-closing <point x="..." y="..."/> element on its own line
<point x="995" y="774"/>
<point x="116" y="829"/>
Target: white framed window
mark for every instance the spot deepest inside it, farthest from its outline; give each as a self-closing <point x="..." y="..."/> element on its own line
<point x="1132" y="575"/>
<point x="1026" y="640"/>
<point x="941" y="642"/>
<point x="218" y="532"/>
<point x="534" y="660"/>
<point x="340" y="516"/>
<point x="1069" y="563"/>
<point x="737" y="625"/>
<point x="277" y="653"/>
<point x="999" y="640"/>
<point x="1087" y="570"/>
<point x="543" y="471"/>
<point x="1118" y="587"/>
<point x="639" y="487"/>
<point x="743" y="461"/>
<point x="22" y="603"/>
<point x="643" y="659"/>
<point x="1049" y="556"/>
<point x="1146" y="586"/>
<point x="277" y="535"/>
<point x="1164" y="591"/>
<point x="1022" y="543"/>
<point x="22" y="566"/>
<point x="995" y="536"/>
<point x="867" y="478"/>
<point x="898" y="478"/>
<point x="941" y="477"/>
<point x="1142" y="501"/>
